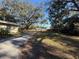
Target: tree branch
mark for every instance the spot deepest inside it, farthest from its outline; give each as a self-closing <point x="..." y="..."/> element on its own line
<point x="76" y="5"/>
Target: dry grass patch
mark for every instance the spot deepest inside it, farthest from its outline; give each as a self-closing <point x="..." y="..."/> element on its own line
<point x="58" y="44"/>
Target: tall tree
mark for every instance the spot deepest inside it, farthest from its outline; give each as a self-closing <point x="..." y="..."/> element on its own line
<point x="24" y="13"/>
<point x="59" y="10"/>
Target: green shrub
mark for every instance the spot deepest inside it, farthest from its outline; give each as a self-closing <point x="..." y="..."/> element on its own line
<point x="4" y="32"/>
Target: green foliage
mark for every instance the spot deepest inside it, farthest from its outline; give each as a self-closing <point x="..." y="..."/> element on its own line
<point x="25" y="14"/>
<point x="4" y="32"/>
<point x="58" y="10"/>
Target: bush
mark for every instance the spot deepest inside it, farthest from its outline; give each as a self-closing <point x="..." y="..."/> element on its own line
<point x="3" y="32"/>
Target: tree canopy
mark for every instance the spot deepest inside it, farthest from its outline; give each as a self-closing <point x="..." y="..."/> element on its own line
<point x="59" y="10"/>
<point x="22" y="13"/>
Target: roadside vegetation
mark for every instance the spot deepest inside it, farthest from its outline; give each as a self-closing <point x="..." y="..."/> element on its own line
<point x="59" y="41"/>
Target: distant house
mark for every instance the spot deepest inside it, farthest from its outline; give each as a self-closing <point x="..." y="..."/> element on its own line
<point x="12" y="28"/>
